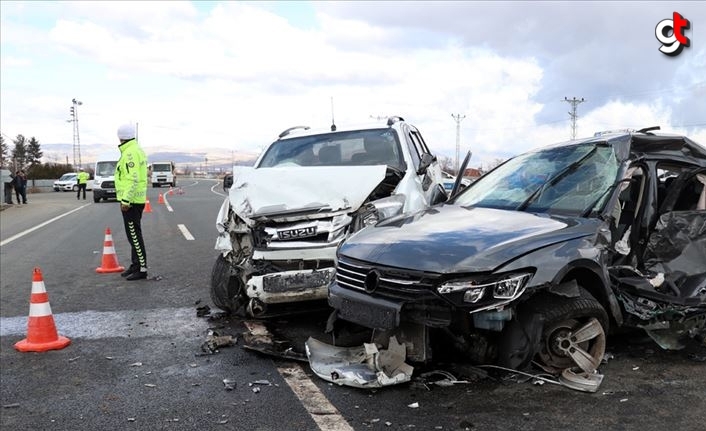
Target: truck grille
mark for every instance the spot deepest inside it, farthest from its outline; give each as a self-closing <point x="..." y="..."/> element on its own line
<point x="108" y="185"/>
<point x="393" y="282"/>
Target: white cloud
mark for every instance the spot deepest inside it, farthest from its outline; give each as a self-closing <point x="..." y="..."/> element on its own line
<point x="232" y="77"/>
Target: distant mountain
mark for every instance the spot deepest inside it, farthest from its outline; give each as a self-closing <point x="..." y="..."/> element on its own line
<point x="215" y="159"/>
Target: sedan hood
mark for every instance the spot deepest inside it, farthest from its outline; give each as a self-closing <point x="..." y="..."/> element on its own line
<point x="273" y="191"/>
<point x="454" y="239"/>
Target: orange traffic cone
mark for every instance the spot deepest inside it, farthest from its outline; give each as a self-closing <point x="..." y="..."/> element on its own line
<point x="110" y="259"/>
<point x="148" y="207"/>
<point x="41" y="331"/>
<point x="161" y="199"/>
<point x="171" y="192"/>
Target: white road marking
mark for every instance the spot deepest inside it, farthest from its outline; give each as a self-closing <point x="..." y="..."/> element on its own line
<point x="220" y="184"/>
<point x="185" y="232"/>
<point x="39" y="226"/>
<point x="96" y="325"/>
<point x="326" y="416"/>
<point x="166" y="203"/>
<point x="324" y="413"/>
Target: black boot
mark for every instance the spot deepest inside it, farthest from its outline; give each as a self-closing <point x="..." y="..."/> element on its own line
<point x="137" y="275"/>
<point x="130" y="270"/>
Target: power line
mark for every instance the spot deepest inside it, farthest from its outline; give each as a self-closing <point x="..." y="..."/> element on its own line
<point x="574" y="103"/>
<point x="76" y="140"/>
<point x="458" y="118"/>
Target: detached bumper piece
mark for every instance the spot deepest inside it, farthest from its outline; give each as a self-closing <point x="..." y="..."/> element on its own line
<point x="360" y="367"/>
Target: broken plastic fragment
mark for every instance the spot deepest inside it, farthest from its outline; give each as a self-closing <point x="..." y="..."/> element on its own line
<point x="203" y="310"/>
<point x="214" y="341"/>
<point x="413" y="405"/>
<point x="362" y="367"/>
<point x="136" y="364"/>
<point x="583" y="381"/>
<point x="657" y="280"/>
<point x="229" y="384"/>
<point x="623" y="246"/>
<point x="150" y="385"/>
<point x="256" y="389"/>
<point x="447" y="379"/>
<point x="260" y="339"/>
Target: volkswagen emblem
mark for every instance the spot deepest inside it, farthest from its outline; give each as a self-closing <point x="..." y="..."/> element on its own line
<point x="372" y="280"/>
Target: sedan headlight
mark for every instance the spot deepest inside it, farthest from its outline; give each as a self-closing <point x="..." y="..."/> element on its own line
<point x="507" y="287"/>
<point x="381" y="209"/>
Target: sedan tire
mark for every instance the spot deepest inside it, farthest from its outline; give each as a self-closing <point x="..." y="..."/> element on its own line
<point x="573" y="334"/>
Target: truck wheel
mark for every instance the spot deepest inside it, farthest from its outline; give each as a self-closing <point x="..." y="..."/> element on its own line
<point x="96" y="199"/>
<point x="227" y="290"/>
<point x="573" y="333"/>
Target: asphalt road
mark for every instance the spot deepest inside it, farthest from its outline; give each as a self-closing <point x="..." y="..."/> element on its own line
<point x="135" y="360"/>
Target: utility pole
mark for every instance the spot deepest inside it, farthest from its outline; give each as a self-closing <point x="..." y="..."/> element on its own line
<point x="574" y="103"/>
<point x="76" y="139"/>
<point x="458" y="118"/>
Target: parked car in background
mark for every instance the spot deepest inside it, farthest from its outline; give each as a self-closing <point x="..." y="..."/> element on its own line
<point x="67" y="183"/>
<point x="307" y="192"/>
<point x="450" y="181"/>
<point x="539" y="258"/>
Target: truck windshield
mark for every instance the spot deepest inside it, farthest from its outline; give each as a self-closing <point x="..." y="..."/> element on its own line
<point x="105" y="169"/>
<point x="354" y="148"/>
<point x="565" y="180"/>
<point x="161" y="167"/>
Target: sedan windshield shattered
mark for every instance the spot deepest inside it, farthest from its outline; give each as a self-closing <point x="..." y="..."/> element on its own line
<point x="569" y="180"/>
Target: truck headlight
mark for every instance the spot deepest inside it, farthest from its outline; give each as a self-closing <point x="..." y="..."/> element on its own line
<point x="381" y="209"/>
<point x="507" y="287"/>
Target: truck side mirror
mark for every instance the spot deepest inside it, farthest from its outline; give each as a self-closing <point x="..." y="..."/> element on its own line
<point x="424" y="163"/>
<point x="227" y="182"/>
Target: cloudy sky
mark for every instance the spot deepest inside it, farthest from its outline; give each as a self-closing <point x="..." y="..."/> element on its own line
<point x="222" y="79"/>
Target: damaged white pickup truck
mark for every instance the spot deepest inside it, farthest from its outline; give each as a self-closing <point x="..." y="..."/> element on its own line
<point x="280" y="227"/>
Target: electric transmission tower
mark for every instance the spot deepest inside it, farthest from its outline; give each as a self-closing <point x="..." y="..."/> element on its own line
<point x="574" y="103"/>
<point x="77" y="140"/>
<point x="458" y="118"/>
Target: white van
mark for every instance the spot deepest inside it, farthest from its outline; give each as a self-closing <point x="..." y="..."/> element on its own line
<point x="162" y="173"/>
<point x="104" y="177"/>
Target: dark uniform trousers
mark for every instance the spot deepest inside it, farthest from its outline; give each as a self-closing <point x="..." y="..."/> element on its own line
<point x="132" y="218"/>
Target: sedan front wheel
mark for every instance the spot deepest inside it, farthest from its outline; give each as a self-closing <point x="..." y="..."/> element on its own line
<point x="573" y="333"/>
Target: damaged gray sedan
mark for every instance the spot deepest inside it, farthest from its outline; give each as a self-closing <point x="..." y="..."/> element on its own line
<point x="283" y="220"/>
<point x="536" y="261"/>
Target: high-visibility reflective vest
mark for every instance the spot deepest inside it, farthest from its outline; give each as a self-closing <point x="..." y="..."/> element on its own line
<point x="131" y="174"/>
<point x="82" y="177"/>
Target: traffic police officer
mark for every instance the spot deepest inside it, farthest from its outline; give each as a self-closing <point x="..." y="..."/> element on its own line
<point x="82" y="181"/>
<point x="131" y="192"/>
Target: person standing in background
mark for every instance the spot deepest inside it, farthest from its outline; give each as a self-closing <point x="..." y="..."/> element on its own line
<point x="131" y="192"/>
<point x="8" y="180"/>
<point x="20" y="184"/>
<point x="82" y="181"/>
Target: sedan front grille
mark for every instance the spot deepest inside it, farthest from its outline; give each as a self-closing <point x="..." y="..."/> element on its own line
<point x="393" y="282"/>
